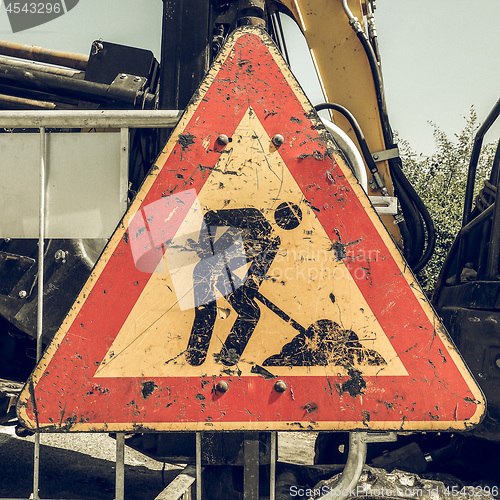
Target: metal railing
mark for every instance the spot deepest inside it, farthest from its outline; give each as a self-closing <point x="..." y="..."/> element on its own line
<point x="123" y="120"/>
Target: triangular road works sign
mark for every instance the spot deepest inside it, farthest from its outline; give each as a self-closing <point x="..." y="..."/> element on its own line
<point x="251" y="285"/>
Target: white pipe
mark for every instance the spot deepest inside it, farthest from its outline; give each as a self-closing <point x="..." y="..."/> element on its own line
<point x="350" y="150"/>
<point x="352" y="470"/>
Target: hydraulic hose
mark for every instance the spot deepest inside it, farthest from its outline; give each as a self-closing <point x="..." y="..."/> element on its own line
<point x="398" y="174"/>
<point x="365" y="151"/>
<point x="415" y="212"/>
<point x="416" y="215"/>
<point x="375" y="70"/>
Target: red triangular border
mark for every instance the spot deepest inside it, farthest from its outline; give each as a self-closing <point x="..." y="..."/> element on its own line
<point x="439" y="392"/>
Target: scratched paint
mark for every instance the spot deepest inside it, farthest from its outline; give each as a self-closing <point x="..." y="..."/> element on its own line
<point x="270" y="264"/>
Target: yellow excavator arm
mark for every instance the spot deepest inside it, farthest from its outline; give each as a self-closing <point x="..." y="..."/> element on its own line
<point x="344" y="73"/>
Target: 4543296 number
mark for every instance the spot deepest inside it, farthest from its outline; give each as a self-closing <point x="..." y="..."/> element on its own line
<point x="33" y="7"/>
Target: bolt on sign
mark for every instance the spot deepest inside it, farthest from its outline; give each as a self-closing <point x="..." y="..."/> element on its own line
<point x="251" y="285"/>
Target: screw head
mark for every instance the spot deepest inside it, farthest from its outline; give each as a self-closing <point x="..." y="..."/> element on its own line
<point x="223" y="140"/>
<point x="123" y="76"/>
<point x="23" y="294"/>
<point x="280" y="386"/>
<point x="60" y="254"/>
<point x="222" y="386"/>
<point x="278" y="140"/>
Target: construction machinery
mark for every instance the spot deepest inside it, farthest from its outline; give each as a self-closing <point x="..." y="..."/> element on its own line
<point x="342" y="41"/>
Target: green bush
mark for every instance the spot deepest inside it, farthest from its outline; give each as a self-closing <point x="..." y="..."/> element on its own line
<point x="440" y="180"/>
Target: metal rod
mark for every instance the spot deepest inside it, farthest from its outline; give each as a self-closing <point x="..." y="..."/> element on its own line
<point x="36" y="466"/>
<point x="272" y="465"/>
<point x="7" y="101"/>
<point x="494" y="247"/>
<point x="55" y="70"/>
<point x="68" y="87"/>
<point x="352" y="470"/>
<point x="34" y="53"/>
<point x="463" y="238"/>
<point x="124" y="155"/>
<point x="120" y="467"/>
<point x="251" y="466"/>
<point x="39" y="324"/>
<point x="198" y="466"/>
<point x="474" y="159"/>
<point x="15" y="91"/>
<point x="90" y="119"/>
<point x="495" y="168"/>
<point x="41" y="240"/>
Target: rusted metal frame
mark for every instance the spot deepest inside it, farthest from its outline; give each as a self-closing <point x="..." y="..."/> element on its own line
<point x="251" y="467"/>
<point x="90" y="119"/>
<point x="34" y="53"/>
<point x="120" y="467"/>
<point x="120" y="437"/>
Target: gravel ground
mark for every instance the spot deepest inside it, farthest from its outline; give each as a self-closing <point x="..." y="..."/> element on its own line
<point x="81" y="466"/>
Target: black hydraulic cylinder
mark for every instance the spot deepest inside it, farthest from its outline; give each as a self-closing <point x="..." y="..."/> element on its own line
<point x="185" y="51"/>
<point x="251" y="12"/>
<point x="65" y="86"/>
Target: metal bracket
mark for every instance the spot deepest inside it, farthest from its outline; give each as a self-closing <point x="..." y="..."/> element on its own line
<point x="386" y="154"/>
<point x="380" y="437"/>
<point x="385" y="205"/>
<point x="126" y="88"/>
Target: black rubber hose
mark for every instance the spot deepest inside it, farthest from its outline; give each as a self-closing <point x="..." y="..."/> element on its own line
<point x="397" y="172"/>
<point x="395" y="166"/>
<point x="377" y="77"/>
<point x="414" y="211"/>
<point x="365" y="151"/>
<point x="412" y="249"/>
<point x="414" y="223"/>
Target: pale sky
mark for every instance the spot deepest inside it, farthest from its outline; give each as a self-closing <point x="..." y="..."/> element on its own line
<point x="439" y="57"/>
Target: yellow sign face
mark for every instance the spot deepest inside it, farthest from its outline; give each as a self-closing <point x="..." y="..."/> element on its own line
<point x="306" y="280"/>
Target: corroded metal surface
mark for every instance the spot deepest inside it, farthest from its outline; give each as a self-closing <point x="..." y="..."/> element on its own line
<point x="252" y="286"/>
